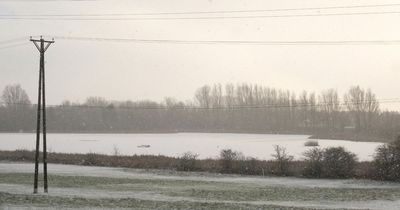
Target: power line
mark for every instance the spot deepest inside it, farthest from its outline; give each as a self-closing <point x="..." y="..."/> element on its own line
<point x="42" y="0"/>
<point x="237" y="42"/>
<point x="198" y="18"/>
<point x="13" y="40"/>
<point x="13" y="45"/>
<point x="202" y="12"/>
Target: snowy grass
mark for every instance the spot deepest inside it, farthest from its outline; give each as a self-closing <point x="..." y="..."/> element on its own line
<point x="107" y="188"/>
<point x="208" y="189"/>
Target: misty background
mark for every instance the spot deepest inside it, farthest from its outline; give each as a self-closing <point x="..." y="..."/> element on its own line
<point x="122" y="71"/>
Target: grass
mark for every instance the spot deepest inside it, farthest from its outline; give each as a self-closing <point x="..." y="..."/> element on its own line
<point x="208" y="189"/>
<point x="118" y="184"/>
<point x="294" y="194"/>
<point x="128" y="203"/>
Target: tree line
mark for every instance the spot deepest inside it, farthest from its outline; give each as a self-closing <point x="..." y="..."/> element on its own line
<point x="238" y="108"/>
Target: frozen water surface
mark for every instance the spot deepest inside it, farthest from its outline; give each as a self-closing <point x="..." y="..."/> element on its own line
<point x="207" y="145"/>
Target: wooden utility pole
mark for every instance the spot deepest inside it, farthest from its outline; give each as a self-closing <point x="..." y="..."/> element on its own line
<point x="41" y="109"/>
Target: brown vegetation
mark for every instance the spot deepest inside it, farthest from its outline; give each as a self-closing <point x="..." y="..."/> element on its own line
<point x="230" y="162"/>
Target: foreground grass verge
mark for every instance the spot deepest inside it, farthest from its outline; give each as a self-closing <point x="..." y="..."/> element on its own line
<point x="161" y="192"/>
<point x="125" y="203"/>
<point x="209" y="189"/>
<point x="158" y="182"/>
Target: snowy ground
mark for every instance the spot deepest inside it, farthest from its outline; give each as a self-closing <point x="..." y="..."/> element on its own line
<point x="73" y="187"/>
<point x="207" y="145"/>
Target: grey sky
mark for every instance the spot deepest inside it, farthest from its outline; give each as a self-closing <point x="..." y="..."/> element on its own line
<point x="119" y="71"/>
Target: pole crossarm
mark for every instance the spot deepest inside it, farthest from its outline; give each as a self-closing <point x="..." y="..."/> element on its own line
<point x="39" y="40"/>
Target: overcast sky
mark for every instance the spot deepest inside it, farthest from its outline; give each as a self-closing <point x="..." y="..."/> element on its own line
<point x="121" y="71"/>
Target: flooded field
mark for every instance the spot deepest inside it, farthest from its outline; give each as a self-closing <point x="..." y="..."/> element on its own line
<point x="207" y="145"/>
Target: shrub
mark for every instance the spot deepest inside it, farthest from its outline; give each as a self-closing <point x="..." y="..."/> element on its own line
<point x="338" y="163"/>
<point x="229" y="160"/>
<point x="282" y="161"/>
<point x="311" y="143"/>
<point x="90" y="159"/>
<point x="251" y="166"/>
<point x="188" y="162"/>
<point x="116" y="151"/>
<point x="387" y="161"/>
<point x="314" y="162"/>
<point x="24" y="155"/>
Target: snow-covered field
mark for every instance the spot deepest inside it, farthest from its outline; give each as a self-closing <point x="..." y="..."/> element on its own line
<point x="207" y="145"/>
<point x="82" y="187"/>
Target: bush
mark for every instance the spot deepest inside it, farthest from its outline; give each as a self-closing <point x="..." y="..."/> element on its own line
<point x="240" y="165"/>
<point x="229" y="160"/>
<point x="311" y="143"/>
<point x="90" y="159"/>
<point x="282" y="161"/>
<point x="338" y="163"/>
<point x="188" y="162"/>
<point x="116" y="151"/>
<point x="387" y="161"/>
<point x="314" y="163"/>
<point x="251" y="166"/>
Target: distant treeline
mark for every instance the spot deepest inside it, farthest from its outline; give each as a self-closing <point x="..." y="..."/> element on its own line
<point x="242" y="108"/>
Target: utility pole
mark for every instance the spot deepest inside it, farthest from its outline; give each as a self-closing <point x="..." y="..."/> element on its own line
<point x="41" y="109"/>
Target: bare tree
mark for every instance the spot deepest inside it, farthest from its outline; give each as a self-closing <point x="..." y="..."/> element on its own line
<point x="217" y="96"/>
<point x="313" y="109"/>
<point x="362" y="106"/>
<point x="371" y="110"/>
<point x="244" y="95"/>
<point x="282" y="159"/>
<point x="330" y="107"/>
<point x="14" y="95"/>
<point x="304" y="110"/>
<point x="96" y="101"/>
<point x="17" y="110"/>
<point x="172" y="102"/>
<point x="230" y="100"/>
<point x="203" y="96"/>
<point x="353" y="100"/>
